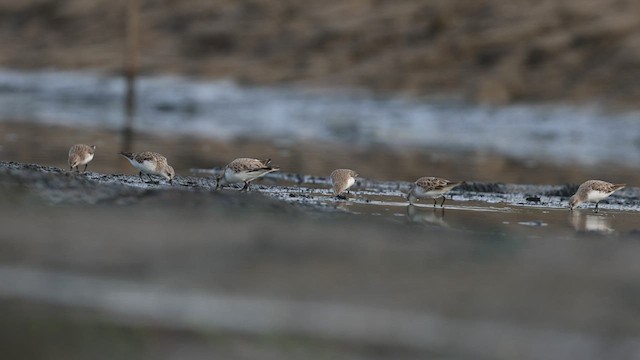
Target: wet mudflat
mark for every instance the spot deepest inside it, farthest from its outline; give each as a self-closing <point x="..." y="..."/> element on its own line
<point x="491" y="203"/>
<point x="473" y="206"/>
<point x="152" y="271"/>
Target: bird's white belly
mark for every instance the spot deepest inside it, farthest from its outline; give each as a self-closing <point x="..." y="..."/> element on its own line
<point x="233" y="177"/>
<point x="350" y="182"/>
<point x="148" y="167"/>
<point x="86" y="159"/>
<point x="595" y="196"/>
<point x="421" y="193"/>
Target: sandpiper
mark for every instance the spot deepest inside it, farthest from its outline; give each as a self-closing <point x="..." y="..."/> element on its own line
<point x="342" y="180"/>
<point x="150" y="163"/>
<point x="431" y="187"/>
<point x="244" y="170"/>
<point x="80" y="154"/>
<point x="593" y="191"/>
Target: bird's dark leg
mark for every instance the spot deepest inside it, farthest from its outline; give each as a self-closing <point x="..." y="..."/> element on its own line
<point x="444" y="198"/>
<point x="596" y="209"/>
<point x="140" y="174"/>
<point x="78" y="169"/>
<point x="245" y="187"/>
<point x="70" y="168"/>
<point x="435" y="202"/>
<point x="85" y="167"/>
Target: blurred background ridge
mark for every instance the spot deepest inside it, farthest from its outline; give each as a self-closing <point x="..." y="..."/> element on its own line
<point x="488" y="51"/>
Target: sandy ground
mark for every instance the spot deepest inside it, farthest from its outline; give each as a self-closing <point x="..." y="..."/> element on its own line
<point x="117" y="269"/>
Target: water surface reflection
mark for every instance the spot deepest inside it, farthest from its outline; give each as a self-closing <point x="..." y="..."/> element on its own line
<point x="585" y="222"/>
<point x="434" y="217"/>
<point x="503" y="218"/>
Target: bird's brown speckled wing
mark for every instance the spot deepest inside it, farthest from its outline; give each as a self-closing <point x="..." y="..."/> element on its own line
<point x="149" y="156"/>
<point x="339" y="175"/>
<point x="602" y="186"/>
<point x="433" y="183"/>
<point x="74" y="149"/>
<point x="248" y="164"/>
<point x="80" y="149"/>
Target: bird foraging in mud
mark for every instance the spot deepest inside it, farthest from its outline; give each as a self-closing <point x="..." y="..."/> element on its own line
<point x="150" y="163"/>
<point x="593" y="191"/>
<point x="431" y="187"/>
<point x="342" y="180"/>
<point x="244" y="170"/>
<point x="80" y="154"/>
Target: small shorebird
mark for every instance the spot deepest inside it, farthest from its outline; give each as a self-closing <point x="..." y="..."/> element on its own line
<point x="150" y="163"/>
<point x="80" y="154"/>
<point x="593" y="191"/>
<point x="342" y="180"/>
<point x="244" y="170"/>
<point x="431" y="187"/>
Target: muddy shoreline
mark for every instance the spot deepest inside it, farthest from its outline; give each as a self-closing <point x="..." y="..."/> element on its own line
<point x="310" y="192"/>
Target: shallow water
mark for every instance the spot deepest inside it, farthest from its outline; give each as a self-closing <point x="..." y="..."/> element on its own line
<point x="535" y="222"/>
<point x="226" y="111"/>
<point x="462" y="211"/>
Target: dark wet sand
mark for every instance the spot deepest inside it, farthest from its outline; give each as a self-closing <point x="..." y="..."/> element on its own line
<point x="103" y="266"/>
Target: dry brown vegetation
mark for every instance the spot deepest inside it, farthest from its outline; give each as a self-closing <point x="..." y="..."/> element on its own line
<point x="495" y="51"/>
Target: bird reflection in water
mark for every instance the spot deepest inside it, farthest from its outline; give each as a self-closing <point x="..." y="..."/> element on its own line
<point x="427" y="216"/>
<point x="590" y="222"/>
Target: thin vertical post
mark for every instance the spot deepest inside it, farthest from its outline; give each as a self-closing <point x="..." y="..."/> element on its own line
<point x="132" y="48"/>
